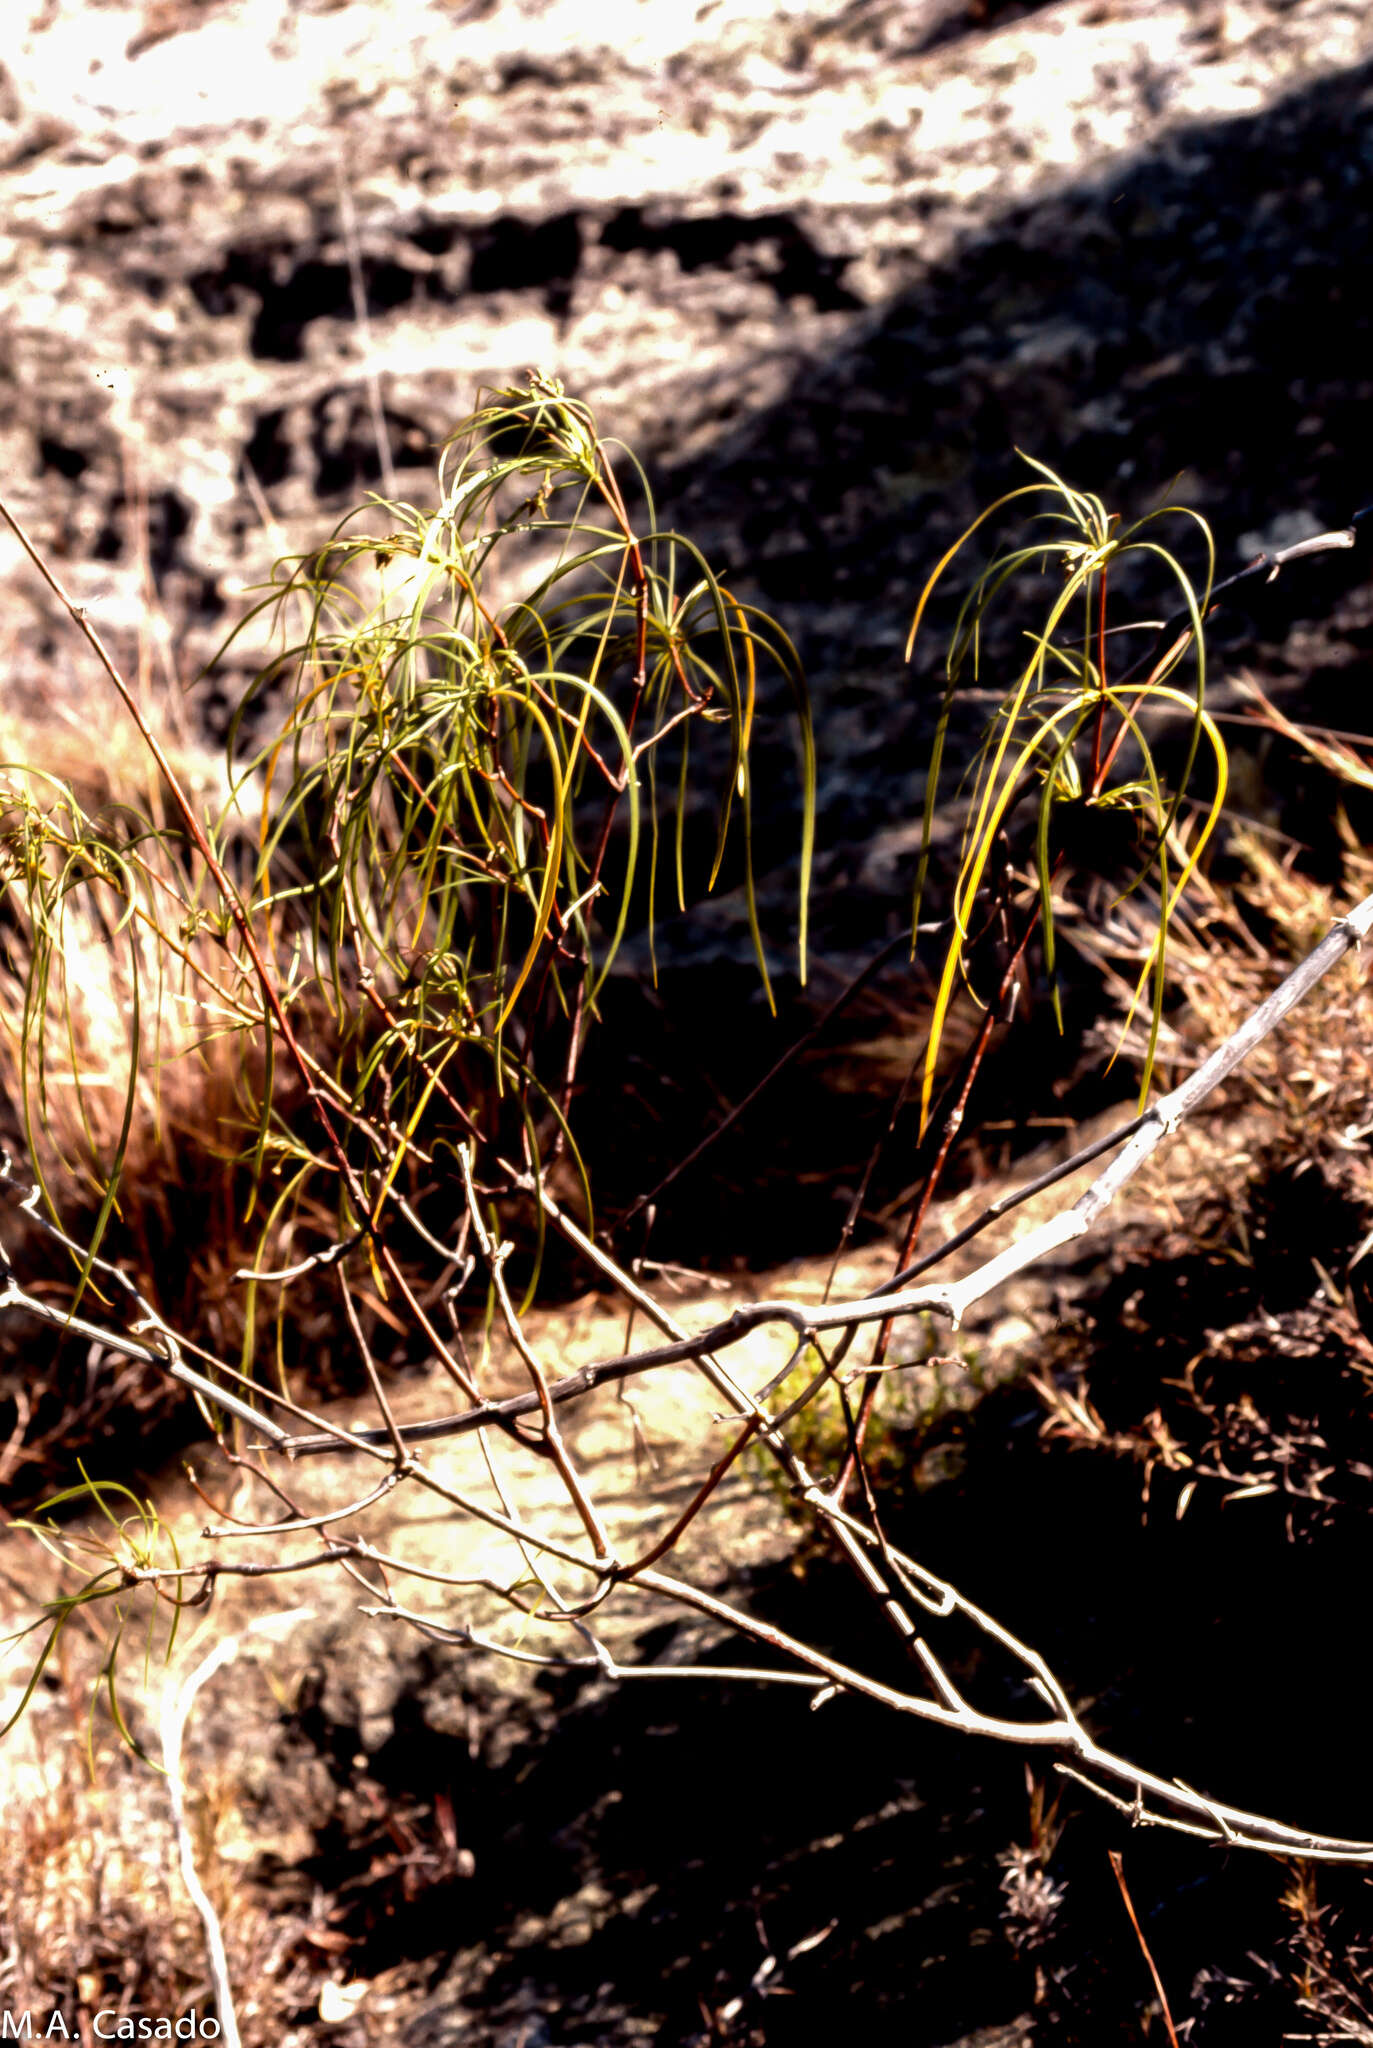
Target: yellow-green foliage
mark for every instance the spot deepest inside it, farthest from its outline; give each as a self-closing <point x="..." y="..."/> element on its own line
<point x="1060" y="726"/>
<point x="455" y="801"/>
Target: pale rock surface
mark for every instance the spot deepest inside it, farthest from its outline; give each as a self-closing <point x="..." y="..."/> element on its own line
<point x="718" y="223"/>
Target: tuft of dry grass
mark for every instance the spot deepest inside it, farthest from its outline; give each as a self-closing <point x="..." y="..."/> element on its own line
<point x="86" y="1920"/>
<point x="115" y="1048"/>
<point x="94" y="1916"/>
<point x="1229" y="1350"/>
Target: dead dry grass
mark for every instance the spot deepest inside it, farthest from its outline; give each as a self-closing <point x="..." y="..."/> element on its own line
<point x="1229" y="1344"/>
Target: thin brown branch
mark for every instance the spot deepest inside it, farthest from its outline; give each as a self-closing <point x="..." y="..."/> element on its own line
<point x="1117" y="1865"/>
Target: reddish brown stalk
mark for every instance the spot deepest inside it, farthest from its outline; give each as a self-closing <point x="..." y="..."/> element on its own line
<point x="1160" y="667"/>
<point x="1101" y="688"/>
<point x="694" y="1506"/>
<point x="403" y="768"/>
<point x="953" y="1124"/>
<point x="1117" y="1866"/>
<point x="639" y="578"/>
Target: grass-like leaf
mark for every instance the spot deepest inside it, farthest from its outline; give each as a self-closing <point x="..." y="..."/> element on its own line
<point x="1062" y="728"/>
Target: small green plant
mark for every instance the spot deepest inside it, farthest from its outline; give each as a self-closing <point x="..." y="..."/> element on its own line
<point x="369" y="979"/>
<point x="1068" y="733"/>
<point x="458" y="800"/>
<point x="455" y="804"/>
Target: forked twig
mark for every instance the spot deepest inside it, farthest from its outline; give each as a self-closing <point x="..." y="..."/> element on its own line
<point x="1137" y="1140"/>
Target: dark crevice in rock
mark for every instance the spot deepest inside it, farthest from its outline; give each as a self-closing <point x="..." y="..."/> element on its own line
<point x="168" y="522"/>
<point x="510" y="254"/>
<point x="513" y="255"/>
<point x="435" y="237"/>
<point x="555" y="72"/>
<point x="774" y="247"/>
<point x="315" y="290"/>
<point x="151" y="283"/>
<point x="292" y="294"/>
<point x="293" y="289"/>
<point x="56" y="455"/>
<point x="344" y="443"/>
<point x="269" y="453"/>
<point x="975" y="17"/>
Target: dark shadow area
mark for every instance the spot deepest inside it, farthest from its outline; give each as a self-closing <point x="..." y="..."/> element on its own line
<point x="288" y="289"/>
<point x="1185" y="328"/>
<point x="290" y="292"/>
<point x="773" y="247"/>
<point x="343" y="441"/>
<point x="56" y="455"/>
<point x="977" y="17"/>
<point x="168" y="521"/>
<point x="269" y="452"/>
<point x="515" y="255"/>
